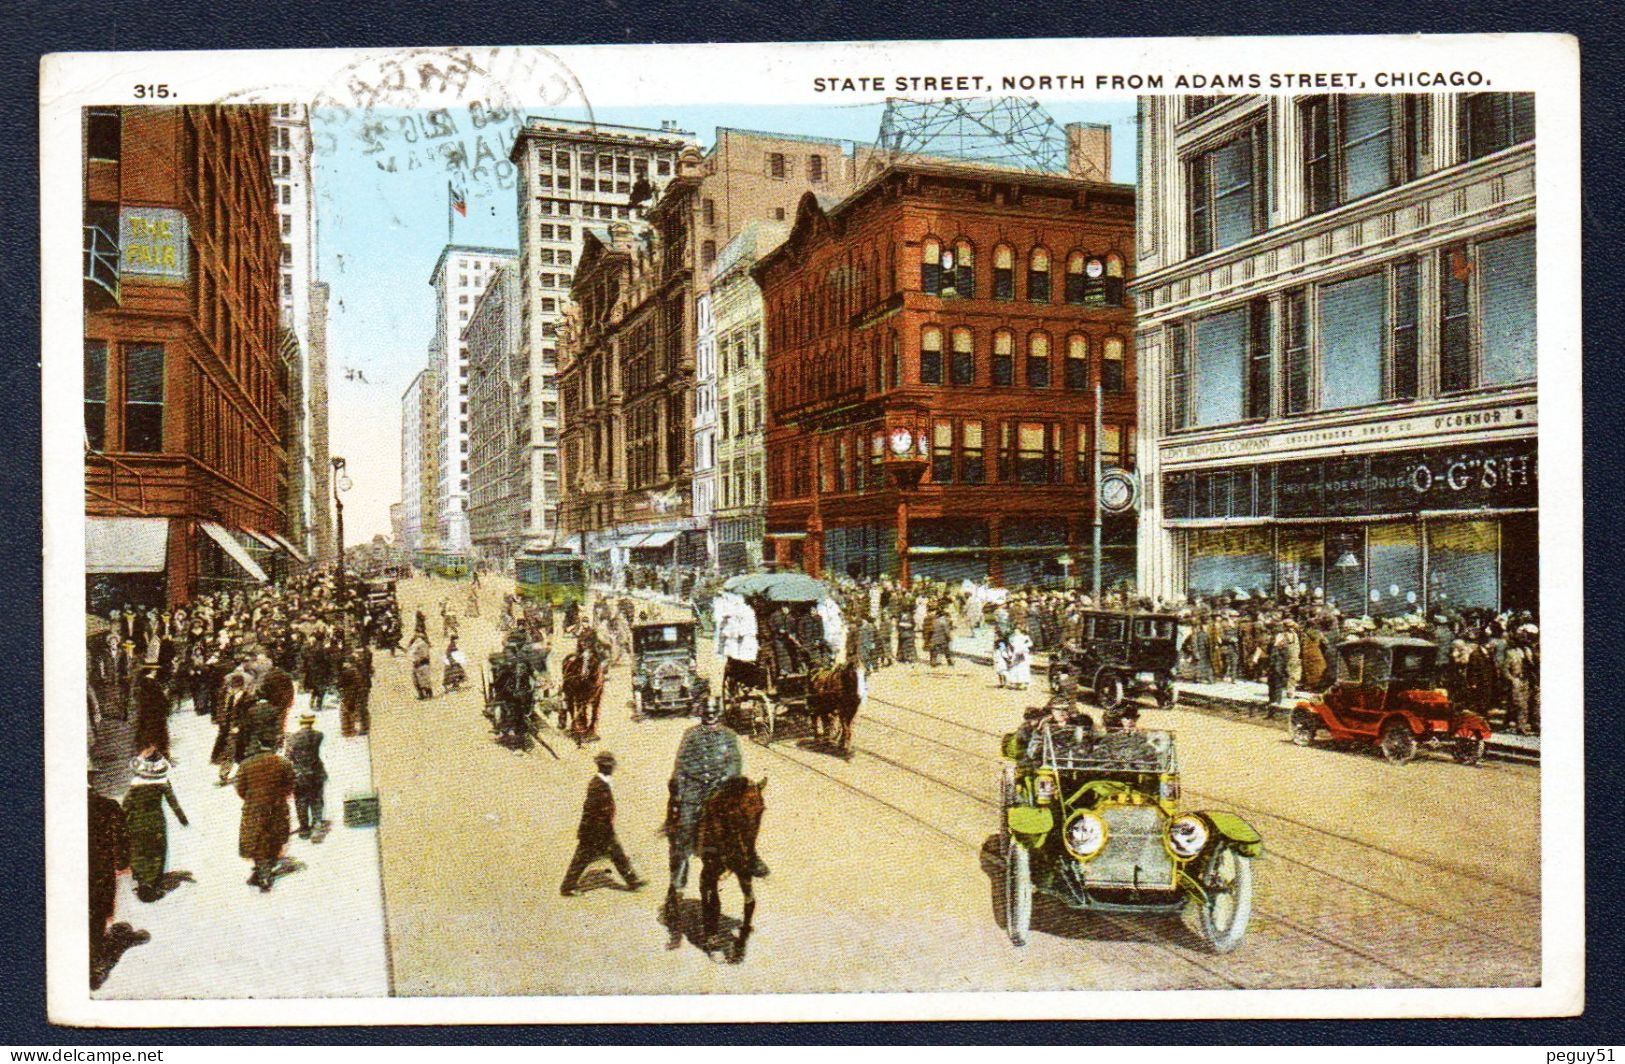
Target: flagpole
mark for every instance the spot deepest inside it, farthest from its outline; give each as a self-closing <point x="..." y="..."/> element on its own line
<point x="449" y="219"/>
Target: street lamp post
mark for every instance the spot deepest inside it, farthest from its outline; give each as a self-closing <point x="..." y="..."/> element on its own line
<point x="341" y="483"/>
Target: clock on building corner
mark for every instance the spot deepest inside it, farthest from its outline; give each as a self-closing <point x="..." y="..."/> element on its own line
<point x="1119" y="491"/>
<point x="902" y="441"/>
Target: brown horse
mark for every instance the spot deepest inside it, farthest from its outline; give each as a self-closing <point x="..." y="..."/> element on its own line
<point x="726" y="842"/>
<point x="583" y="684"/>
<point x="833" y="698"/>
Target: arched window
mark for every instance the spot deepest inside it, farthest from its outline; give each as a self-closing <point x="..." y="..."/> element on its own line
<point x="1077" y="362"/>
<point x="1004" y="357"/>
<point x="1004" y="272"/>
<point x="1113" y="377"/>
<point x="1114" y="280"/>
<point x="1074" y="277"/>
<point x="1038" y="360"/>
<point x="962" y="369"/>
<point x="930" y="355"/>
<point x="894" y="376"/>
<point x="964" y="275"/>
<point x="931" y="266"/>
<point x="1038" y="276"/>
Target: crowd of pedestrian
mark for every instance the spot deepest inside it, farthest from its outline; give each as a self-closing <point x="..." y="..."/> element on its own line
<point x="236" y="658"/>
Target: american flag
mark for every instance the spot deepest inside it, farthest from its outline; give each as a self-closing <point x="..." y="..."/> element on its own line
<point x="458" y="203"/>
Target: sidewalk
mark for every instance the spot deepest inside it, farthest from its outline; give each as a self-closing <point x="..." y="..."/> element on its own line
<point x="1240" y="696"/>
<point x="319" y="933"/>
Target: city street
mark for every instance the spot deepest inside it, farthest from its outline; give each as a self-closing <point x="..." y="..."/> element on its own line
<point x="882" y="873"/>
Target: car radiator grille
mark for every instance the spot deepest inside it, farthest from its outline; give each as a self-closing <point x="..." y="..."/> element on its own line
<point x="1135" y="843"/>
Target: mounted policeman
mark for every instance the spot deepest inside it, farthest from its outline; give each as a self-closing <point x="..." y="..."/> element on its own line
<point x="707" y="757"/>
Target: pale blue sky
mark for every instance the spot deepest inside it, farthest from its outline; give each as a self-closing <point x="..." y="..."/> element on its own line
<point x="380" y="233"/>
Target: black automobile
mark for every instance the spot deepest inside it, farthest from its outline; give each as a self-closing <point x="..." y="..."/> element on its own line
<point x="1119" y="654"/>
<point x="665" y="669"/>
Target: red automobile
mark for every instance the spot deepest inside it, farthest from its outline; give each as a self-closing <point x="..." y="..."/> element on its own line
<point x="1389" y="692"/>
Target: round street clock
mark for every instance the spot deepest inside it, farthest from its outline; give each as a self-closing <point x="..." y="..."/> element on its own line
<point x="1094" y="268"/>
<point x="901" y="441"/>
<point x="1118" y="491"/>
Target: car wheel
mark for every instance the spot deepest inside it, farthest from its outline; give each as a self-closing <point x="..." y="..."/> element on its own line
<point x="1468" y="750"/>
<point x="1228" y="882"/>
<point x="1303" y="727"/>
<point x="1018" y="892"/>
<point x="1397" y="743"/>
<point x="1109" y="689"/>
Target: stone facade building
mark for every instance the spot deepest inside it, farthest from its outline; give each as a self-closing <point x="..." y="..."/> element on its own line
<point x="1337" y="346"/>
<point x="933" y="342"/>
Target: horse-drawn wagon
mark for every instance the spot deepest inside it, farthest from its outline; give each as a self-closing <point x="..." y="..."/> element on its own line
<point x="781" y="636"/>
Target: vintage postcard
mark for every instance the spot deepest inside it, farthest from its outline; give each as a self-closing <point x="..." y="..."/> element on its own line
<point x="930" y="530"/>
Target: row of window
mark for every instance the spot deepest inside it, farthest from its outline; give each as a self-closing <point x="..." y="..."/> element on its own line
<point x="1028" y="453"/>
<point x="741" y="482"/>
<point x="562" y="159"/>
<point x="1358" y="340"/>
<point x="779" y="165"/>
<point x="962" y="364"/>
<point x="1349" y="147"/>
<point x="949" y="270"/>
<point x="566" y="208"/>
<point x="585" y="184"/>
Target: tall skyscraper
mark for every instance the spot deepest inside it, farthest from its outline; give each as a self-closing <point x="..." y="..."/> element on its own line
<point x="460" y="276"/>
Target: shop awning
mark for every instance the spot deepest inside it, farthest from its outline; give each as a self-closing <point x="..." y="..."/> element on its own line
<point x="229" y="544"/>
<point x="270" y="544"/>
<point x="298" y="554"/>
<point x="126" y="544"/>
<point x="653" y="540"/>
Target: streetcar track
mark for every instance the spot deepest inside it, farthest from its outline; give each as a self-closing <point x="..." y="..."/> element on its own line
<point x="1275" y="852"/>
<point x="1426" y="862"/>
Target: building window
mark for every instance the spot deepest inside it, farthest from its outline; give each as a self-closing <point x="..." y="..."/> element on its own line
<point x="1297" y="352"/>
<point x="708" y="252"/>
<point x="1258" y="359"/>
<point x="1004" y="357"/>
<point x="815" y="168"/>
<point x="1356" y="145"/>
<point x="1032" y="463"/>
<point x="1195" y="105"/>
<point x="942" y="452"/>
<point x="931" y="266"/>
<point x="1004" y="273"/>
<point x="1115" y="280"/>
<point x="1076" y="375"/>
<point x="778" y="214"/>
<point x="1038" y="360"/>
<point x="663" y="167"/>
<point x="104" y="133"/>
<point x="1177" y="398"/>
<point x="285" y="194"/>
<point x="1492" y="284"/>
<point x="931" y="355"/>
<point x="1038" y="276"/>
<point x="971" y="466"/>
<point x="895" y="375"/>
<point x="1074" y="277"/>
<point x="1403" y="343"/>
<point x="144" y="398"/>
<point x="1492" y="121"/>
<point x="1353" y="327"/>
<point x="963" y="367"/>
<point x="775" y="164"/>
<point x="96" y="394"/>
<point x="1220" y="370"/>
<point x="708" y="211"/>
<point x="1227" y="201"/>
<point x="959" y="270"/>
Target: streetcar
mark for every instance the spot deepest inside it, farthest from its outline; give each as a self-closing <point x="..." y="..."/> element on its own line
<point x="557" y="577"/>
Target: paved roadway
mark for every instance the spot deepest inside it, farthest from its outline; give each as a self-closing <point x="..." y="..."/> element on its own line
<point x="1419" y="875"/>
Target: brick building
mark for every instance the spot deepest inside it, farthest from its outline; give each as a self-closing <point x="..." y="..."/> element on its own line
<point x="933" y="345"/>
<point x="185" y="384"/>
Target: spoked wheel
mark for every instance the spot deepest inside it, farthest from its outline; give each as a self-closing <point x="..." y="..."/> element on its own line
<point x="1303" y="727"/>
<point x="1397" y="743"/>
<point x="1228" y="882"/>
<point x="1468" y="751"/>
<point x="1109" y="689"/>
<point x="1018" y="892"/>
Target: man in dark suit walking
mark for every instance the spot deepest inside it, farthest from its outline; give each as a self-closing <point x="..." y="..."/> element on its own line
<point x="596" y="835"/>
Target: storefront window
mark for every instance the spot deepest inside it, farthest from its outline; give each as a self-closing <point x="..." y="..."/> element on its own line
<point x="1300" y="558"/>
<point x="1221" y="560"/>
<point x="1344" y="569"/>
<point x="1395" y="563"/>
<point x="1463" y="565"/>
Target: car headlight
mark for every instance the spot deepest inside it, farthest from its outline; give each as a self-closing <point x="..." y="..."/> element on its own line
<point x="1085" y="835"/>
<point x="1044" y="788"/>
<point x="1186" y="836"/>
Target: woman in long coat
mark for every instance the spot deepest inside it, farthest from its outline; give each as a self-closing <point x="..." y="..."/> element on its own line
<point x="151" y="712"/>
<point x="265" y="782"/>
<point x="145" y="821"/>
